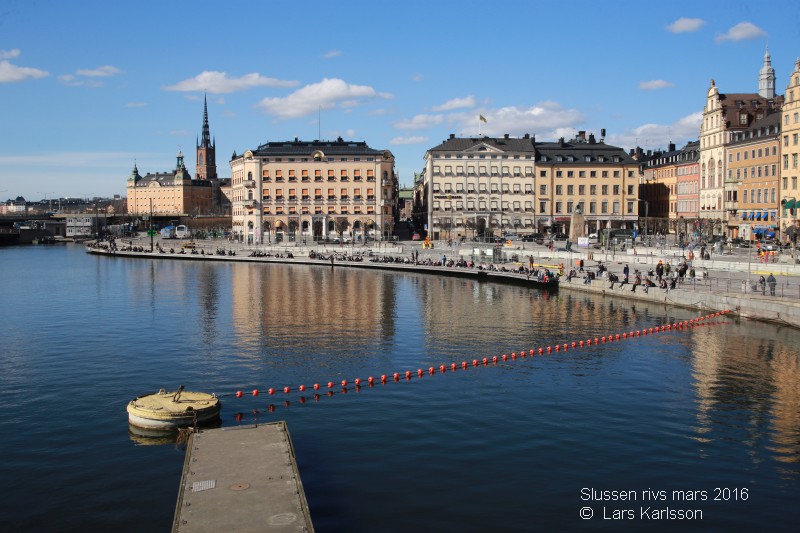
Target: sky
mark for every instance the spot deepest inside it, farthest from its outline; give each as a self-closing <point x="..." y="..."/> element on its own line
<point x="90" y="88"/>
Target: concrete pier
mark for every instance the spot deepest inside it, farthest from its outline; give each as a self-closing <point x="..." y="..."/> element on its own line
<point x="241" y="478"/>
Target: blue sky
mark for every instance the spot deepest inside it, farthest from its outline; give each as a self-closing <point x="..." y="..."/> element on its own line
<point x="88" y="88"/>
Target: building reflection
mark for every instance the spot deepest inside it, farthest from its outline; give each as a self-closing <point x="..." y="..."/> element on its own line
<point x="748" y="381"/>
<point x="307" y="308"/>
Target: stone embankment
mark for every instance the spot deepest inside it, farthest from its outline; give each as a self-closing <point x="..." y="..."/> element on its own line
<point x="719" y="284"/>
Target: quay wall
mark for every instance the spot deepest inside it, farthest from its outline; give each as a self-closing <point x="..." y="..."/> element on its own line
<point x="701" y="297"/>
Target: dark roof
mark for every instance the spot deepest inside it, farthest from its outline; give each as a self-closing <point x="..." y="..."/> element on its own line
<point x="306" y="148"/>
<point x="765" y="128"/>
<point x="505" y="144"/>
<point x="579" y="151"/>
<point x="753" y="104"/>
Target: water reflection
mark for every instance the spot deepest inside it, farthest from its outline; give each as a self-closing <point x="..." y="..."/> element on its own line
<point x="747" y="389"/>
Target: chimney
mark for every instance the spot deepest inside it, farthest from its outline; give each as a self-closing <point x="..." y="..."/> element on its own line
<point x="452" y="135"/>
<point x="591" y="138"/>
<point x="649" y="153"/>
<point x="505" y="136"/>
<point x="602" y="133"/>
<point x="561" y="141"/>
<point x="671" y="147"/>
<point x="582" y="135"/>
<point x="526" y="136"/>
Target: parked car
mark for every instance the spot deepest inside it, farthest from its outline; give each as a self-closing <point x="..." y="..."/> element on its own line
<point x="560" y="236"/>
<point x="538" y="238"/>
<point x="416" y="237"/>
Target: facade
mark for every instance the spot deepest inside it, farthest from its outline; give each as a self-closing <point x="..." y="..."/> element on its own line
<point x="482" y="186"/>
<point x="688" y="189"/>
<point x="723" y="115"/>
<point x="405" y="202"/>
<point x="790" y="153"/>
<point x="169" y="193"/>
<point x="478" y="185"/>
<point x="602" y="179"/>
<point x="753" y="163"/>
<point x="313" y="190"/>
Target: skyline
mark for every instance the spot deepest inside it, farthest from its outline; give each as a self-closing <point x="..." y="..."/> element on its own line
<point x="90" y="90"/>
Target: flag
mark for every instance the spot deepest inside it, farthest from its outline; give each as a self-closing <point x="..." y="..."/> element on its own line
<point x="482" y="118"/>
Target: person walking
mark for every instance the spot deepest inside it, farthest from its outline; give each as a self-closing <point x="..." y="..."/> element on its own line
<point x="772" y="282"/>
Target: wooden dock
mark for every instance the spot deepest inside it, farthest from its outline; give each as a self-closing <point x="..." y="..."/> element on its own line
<point x="241" y="478"/>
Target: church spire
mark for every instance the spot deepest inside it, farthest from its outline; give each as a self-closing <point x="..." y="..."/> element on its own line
<point x="766" y="78"/>
<point x="206" y="142"/>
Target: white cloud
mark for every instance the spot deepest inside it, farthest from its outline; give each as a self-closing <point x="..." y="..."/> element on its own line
<point x="408" y="140"/>
<point x="683" y="25"/>
<point x="542" y="119"/>
<point x="219" y="83"/>
<point x="327" y="94"/>
<point x="741" y="32"/>
<point x="331" y="54"/>
<point x="417" y="77"/>
<point x="420" y="122"/>
<point x="9" y="54"/>
<point x="350" y="133"/>
<point x="655" y="84"/>
<point x="654" y="136"/>
<point x="135" y="104"/>
<point x="456" y="103"/>
<point x="101" y="72"/>
<point x="378" y="112"/>
<point x="72" y="81"/>
<point x="11" y="73"/>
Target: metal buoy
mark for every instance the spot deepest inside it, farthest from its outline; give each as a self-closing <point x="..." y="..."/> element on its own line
<point x="171" y="410"/>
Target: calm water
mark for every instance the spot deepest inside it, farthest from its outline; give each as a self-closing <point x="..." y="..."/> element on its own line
<point x="507" y="447"/>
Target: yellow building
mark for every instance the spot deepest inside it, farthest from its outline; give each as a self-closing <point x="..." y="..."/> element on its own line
<point x="602" y="179"/>
<point x="169" y="193"/>
<point x="790" y="154"/>
<point x="753" y="162"/>
<point x="313" y="190"/>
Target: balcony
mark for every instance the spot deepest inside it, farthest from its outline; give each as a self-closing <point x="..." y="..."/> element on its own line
<point x="250" y="184"/>
<point x="250" y="204"/>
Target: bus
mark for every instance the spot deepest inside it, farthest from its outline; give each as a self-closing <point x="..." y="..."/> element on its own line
<point x="616" y="236"/>
<point x="167" y="232"/>
<point x="181" y="232"/>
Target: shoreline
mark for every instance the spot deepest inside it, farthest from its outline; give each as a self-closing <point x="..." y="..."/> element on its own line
<point x="727" y="289"/>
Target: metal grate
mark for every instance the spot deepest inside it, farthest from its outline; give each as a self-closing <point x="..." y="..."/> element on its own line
<point x="197" y="486"/>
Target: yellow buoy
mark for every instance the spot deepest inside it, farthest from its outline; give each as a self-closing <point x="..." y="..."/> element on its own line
<point x="171" y="410"/>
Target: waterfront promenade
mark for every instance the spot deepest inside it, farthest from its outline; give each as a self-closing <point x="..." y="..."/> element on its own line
<point x="725" y="281"/>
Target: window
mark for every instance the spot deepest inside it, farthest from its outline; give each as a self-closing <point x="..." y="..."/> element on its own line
<point x="543" y="190"/>
<point x="582" y="190"/>
<point x="570" y="190"/>
<point x="604" y="207"/>
<point x="542" y="207"/>
<point x="592" y="208"/>
<point x="292" y="176"/>
<point x="616" y="190"/>
<point x="604" y="190"/>
<point x="558" y="207"/>
<point x="593" y="190"/>
<point x="559" y="190"/>
<point x="630" y="190"/>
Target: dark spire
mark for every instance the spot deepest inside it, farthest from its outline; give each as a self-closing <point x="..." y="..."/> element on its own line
<point x="206" y="133"/>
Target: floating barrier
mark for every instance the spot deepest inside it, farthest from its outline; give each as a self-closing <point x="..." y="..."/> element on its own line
<point x="706" y="320"/>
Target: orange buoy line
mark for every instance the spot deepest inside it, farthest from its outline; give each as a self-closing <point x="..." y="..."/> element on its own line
<point x="706" y="320"/>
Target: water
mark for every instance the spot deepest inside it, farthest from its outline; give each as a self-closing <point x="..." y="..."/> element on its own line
<point x="506" y="447"/>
